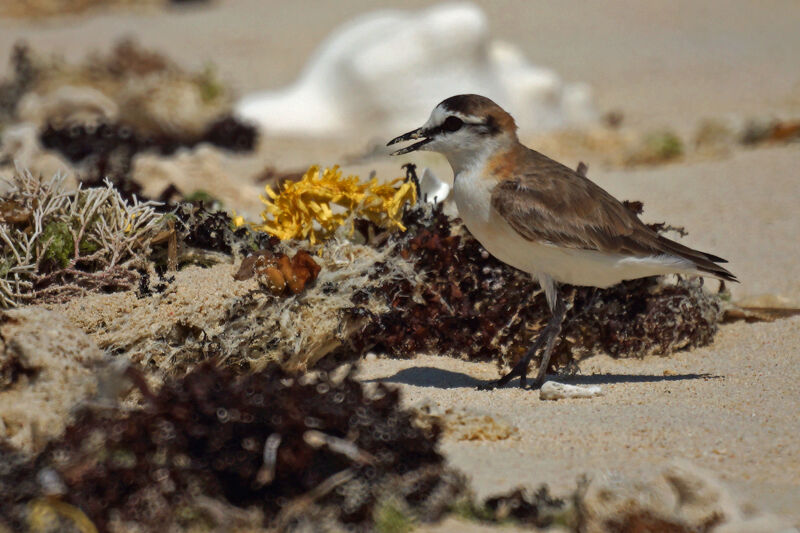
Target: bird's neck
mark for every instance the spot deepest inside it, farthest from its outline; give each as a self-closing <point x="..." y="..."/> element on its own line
<point x="488" y="153"/>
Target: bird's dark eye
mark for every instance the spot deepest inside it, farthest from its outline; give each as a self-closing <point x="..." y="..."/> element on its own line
<point x="452" y="123"/>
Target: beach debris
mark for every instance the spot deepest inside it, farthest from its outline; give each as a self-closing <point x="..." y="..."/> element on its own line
<point x="216" y="231"/>
<point x="733" y="312"/>
<point x="682" y="498"/>
<point x="140" y="88"/>
<point x="109" y="151"/>
<point x="432" y="189"/>
<point x="539" y="509"/>
<point x="47" y="366"/>
<point x="203" y="173"/>
<point x="71" y="243"/>
<point x="172" y="325"/>
<point x="613" y="146"/>
<point x="305" y="209"/>
<point x="279" y="273"/>
<point x="714" y="136"/>
<point x="464" y="423"/>
<point x="761" y="308"/>
<point x="761" y="130"/>
<point x="467" y="304"/>
<point x="297" y="450"/>
<point x="430" y="289"/>
<point x="358" y="79"/>
<point x="552" y="390"/>
<point x="48" y="8"/>
<point x="655" y="147"/>
<point x="326" y="317"/>
<point x="631" y="147"/>
<point x="23" y="78"/>
<point x="101" y="113"/>
<point x="79" y="141"/>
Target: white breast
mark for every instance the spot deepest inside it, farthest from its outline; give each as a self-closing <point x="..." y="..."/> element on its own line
<point x="472" y="194"/>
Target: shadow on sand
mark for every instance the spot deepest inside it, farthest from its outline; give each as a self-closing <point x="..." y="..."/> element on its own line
<point x="426" y="376"/>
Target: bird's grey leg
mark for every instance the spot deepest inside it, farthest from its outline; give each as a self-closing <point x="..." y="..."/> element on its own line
<point x="552" y="331"/>
<point x="548" y="337"/>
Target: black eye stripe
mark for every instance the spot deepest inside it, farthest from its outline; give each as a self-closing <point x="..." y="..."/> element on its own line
<point x="449" y="126"/>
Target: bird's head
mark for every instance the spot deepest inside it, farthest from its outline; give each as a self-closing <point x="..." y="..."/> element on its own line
<point x="462" y="128"/>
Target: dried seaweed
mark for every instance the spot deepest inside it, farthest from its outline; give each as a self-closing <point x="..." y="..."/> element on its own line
<point x="77" y="142"/>
<point x="290" y="447"/>
<point x="642" y="520"/>
<point x="433" y="289"/>
<point x="300" y="329"/>
<point x="534" y="509"/>
<point x="279" y="273"/>
<point x="473" y="306"/>
<point x="21" y="82"/>
<point x="101" y="113"/>
<point x="40" y="9"/>
<point x="106" y="150"/>
<point x="215" y="231"/>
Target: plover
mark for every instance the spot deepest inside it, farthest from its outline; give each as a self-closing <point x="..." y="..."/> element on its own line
<point x="542" y="217"/>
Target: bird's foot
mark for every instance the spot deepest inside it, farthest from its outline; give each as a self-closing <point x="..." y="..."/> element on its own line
<point x="537" y="383"/>
<point x="523" y="382"/>
<point x="491" y="385"/>
<point x="497" y="383"/>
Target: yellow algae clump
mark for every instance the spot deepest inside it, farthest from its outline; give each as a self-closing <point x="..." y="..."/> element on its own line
<point x="305" y="209"/>
<point x="238" y="220"/>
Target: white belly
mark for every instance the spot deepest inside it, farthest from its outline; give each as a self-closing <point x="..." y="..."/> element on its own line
<point x="566" y="265"/>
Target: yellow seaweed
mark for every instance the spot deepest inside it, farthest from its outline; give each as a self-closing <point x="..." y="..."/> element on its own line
<point x="304" y="209"/>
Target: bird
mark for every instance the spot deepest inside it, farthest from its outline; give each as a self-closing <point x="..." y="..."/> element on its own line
<point x="542" y="217"/>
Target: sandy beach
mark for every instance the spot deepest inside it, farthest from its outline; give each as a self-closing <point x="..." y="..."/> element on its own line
<point x="733" y="407"/>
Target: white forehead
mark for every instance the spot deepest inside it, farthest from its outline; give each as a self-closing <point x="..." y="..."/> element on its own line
<point x="440" y="114"/>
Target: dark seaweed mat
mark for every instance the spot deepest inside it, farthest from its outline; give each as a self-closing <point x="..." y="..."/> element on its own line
<point x="23" y="78"/>
<point x="106" y="150"/>
<point x="477" y="307"/>
<point x="523" y="506"/>
<point x="214" y="230"/>
<point x="77" y="142"/>
<point x="205" y="433"/>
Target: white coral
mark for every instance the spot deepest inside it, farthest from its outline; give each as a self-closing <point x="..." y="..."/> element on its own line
<point x="384" y="71"/>
<point x="118" y="231"/>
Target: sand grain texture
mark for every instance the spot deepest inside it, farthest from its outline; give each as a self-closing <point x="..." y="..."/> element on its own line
<point x="47" y="366"/>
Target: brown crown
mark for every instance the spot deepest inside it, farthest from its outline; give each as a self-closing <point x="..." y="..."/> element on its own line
<point x="477" y="105"/>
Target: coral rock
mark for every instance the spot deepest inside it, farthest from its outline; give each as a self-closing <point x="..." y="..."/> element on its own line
<point x="386" y="68"/>
<point x="552" y="390"/>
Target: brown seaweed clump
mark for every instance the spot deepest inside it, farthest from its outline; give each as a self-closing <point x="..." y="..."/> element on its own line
<point x="284" y="451"/>
<point x="278" y="272"/>
<point x="471" y="305"/>
<point x="106" y="150"/>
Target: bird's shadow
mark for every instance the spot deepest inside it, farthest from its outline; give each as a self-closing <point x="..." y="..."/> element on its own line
<point x="426" y="376"/>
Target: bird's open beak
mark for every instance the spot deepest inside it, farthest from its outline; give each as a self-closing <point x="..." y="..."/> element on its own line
<point x="418" y="133"/>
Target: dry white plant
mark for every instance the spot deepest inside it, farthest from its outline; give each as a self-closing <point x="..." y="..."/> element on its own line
<point x="57" y="244"/>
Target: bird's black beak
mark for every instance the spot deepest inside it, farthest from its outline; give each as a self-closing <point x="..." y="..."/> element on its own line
<point x="418" y="133"/>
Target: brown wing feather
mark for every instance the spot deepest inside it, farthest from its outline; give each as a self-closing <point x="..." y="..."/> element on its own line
<point x="557" y="205"/>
